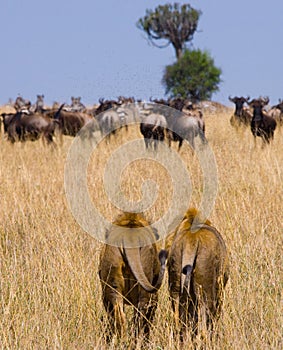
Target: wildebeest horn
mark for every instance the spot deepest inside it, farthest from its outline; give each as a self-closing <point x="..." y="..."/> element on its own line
<point x="231" y="98"/>
<point x="265" y="100"/>
<point x="56" y="115"/>
<point x="101" y="100"/>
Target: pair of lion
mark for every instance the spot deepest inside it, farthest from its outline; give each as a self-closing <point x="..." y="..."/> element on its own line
<point x="131" y="272"/>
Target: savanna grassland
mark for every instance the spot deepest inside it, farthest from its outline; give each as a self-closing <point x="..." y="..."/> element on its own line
<point x="50" y="295"/>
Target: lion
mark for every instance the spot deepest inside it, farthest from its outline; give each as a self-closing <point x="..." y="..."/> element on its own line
<point x="131" y="272"/>
<point x="198" y="272"/>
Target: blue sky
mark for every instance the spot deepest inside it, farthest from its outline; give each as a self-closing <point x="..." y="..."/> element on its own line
<point x="93" y="49"/>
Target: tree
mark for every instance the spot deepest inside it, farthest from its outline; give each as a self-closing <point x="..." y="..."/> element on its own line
<point x="193" y="76"/>
<point x="174" y="23"/>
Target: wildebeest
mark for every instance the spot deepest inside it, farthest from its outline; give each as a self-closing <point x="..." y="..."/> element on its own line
<point x="22" y="105"/>
<point x="104" y="105"/>
<point x="186" y="126"/>
<point x="109" y="122"/>
<point x="129" y="114"/>
<point x="261" y="124"/>
<point x="38" y="107"/>
<point x="239" y="104"/>
<point x="23" y="127"/>
<point x="198" y="271"/>
<point x="153" y="128"/>
<point x="77" y="105"/>
<point x="7" y="117"/>
<point x="122" y="100"/>
<point x="161" y="101"/>
<point x="182" y="125"/>
<point x="70" y="123"/>
<point x="242" y="115"/>
<point x="177" y="103"/>
<point x="276" y="112"/>
<point x="131" y="272"/>
<point x="128" y="111"/>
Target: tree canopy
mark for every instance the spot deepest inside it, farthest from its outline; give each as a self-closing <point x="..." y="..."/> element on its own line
<point x="174" y="23"/>
<point x="193" y="76"/>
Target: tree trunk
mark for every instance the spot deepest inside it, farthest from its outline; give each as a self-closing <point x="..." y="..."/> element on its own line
<point x="178" y="51"/>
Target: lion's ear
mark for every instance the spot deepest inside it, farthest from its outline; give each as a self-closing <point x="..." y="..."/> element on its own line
<point x="156" y="235"/>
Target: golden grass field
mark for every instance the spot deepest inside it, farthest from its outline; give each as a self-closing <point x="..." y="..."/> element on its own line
<point x="50" y="294"/>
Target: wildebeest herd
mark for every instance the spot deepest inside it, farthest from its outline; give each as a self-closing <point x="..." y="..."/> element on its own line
<point x="183" y="120"/>
<point x="31" y="122"/>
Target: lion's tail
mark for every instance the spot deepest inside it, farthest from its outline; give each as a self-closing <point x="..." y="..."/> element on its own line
<point x="189" y="255"/>
<point x="163" y="254"/>
<point x="134" y="261"/>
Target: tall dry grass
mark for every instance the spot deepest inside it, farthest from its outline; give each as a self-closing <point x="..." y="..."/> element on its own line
<point x="50" y="294"/>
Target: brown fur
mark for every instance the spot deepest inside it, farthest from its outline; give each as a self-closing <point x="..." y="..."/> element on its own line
<point x="22" y="127"/>
<point x="70" y="123"/>
<point x="242" y="115"/>
<point x="130" y="275"/>
<point x="276" y="112"/>
<point x="244" y="119"/>
<point x="192" y="215"/>
<point x="262" y="125"/>
<point x="198" y="272"/>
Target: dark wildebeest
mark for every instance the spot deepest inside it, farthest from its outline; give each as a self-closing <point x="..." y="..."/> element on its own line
<point x="23" y="127"/>
<point x="242" y="115"/>
<point x="70" y="123"/>
<point x="150" y="132"/>
<point x="160" y="101"/>
<point x="198" y="271"/>
<point x="7" y="117"/>
<point x="261" y="124"/>
<point x="104" y="105"/>
<point x="177" y="103"/>
<point x="153" y="128"/>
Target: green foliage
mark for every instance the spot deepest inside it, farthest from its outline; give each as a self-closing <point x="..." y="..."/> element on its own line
<point x="174" y="23"/>
<point x="193" y="76"/>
